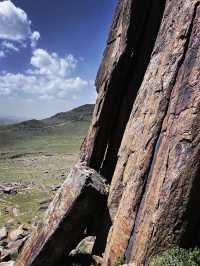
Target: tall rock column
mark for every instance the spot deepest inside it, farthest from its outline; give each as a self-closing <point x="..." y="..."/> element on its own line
<point x="156" y="185"/>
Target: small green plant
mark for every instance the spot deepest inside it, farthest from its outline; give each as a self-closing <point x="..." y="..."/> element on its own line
<point x="178" y="257"/>
<point x="120" y="261"/>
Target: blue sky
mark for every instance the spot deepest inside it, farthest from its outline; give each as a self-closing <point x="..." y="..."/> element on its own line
<point x="50" y="53"/>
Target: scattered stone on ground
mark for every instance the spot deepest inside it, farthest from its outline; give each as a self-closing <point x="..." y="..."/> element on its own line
<point x="11" y="190"/>
<point x="3" y="233"/>
<point x="44" y="205"/>
<point x="17" y="234"/>
<point x="11" y="243"/>
<point x="13" y="211"/>
<point x="55" y="187"/>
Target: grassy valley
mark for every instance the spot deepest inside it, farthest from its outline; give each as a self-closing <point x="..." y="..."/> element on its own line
<point x="36" y="156"/>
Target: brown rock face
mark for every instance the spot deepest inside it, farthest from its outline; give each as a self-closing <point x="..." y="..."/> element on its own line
<point x="157" y="171"/>
<point x="129" y="47"/>
<point x="144" y="139"/>
<point x="69" y="216"/>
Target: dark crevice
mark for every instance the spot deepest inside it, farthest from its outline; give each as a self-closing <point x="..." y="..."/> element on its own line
<point x="102" y="232"/>
<point x="191" y="219"/>
<point x="158" y="141"/>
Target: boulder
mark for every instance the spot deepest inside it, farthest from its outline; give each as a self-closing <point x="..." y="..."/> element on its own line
<point x="10" y="189"/>
<point x="67" y="219"/>
<point x="3" y="233"/>
<point x="44" y="205"/>
<point x="85" y="246"/>
<point x="18" y="244"/>
<point x="17" y="234"/>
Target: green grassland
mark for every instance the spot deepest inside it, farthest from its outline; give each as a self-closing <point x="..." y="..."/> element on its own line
<point x="38" y="155"/>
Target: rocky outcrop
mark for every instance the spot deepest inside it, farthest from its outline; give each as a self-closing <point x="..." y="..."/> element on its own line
<point x="129" y="47"/>
<point x="144" y="140"/>
<point x="151" y="193"/>
<point x="69" y="218"/>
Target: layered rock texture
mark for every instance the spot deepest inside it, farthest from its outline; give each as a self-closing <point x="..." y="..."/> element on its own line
<point x="144" y="140"/>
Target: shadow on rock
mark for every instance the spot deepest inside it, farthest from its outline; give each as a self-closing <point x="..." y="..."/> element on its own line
<point x="79" y="260"/>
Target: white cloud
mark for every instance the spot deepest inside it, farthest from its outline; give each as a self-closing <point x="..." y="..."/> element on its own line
<point x="2" y="54"/>
<point x="15" y="26"/>
<point x="35" y="36"/>
<point x="48" y="79"/>
<point x="51" y="64"/>
<point x="14" y="22"/>
<point x="41" y="87"/>
<point x="8" y="46"/>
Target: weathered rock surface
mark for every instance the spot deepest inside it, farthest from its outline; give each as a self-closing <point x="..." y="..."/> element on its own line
<point x="144" y="139"/>
<point x="69" y="216"/>
<point x="129" y="47"/>
<point x="155" y="184"/>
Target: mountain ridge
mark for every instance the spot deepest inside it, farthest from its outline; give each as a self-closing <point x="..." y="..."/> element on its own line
<point x="81" y="113"/>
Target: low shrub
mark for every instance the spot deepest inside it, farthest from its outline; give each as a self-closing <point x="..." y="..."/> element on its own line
<point x="178" y="257"/>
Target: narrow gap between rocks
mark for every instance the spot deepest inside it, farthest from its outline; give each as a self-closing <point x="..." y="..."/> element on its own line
<point x="191" y="235"/>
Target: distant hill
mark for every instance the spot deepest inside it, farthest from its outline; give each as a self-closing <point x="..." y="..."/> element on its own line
<point x="36" y="135"/>
<point x="9" y="120"/>
<point x="77" y="115"/>
<point x="82" y="113"/>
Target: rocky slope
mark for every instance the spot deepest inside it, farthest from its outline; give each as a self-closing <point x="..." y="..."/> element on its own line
<point x="144" y="140"/>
